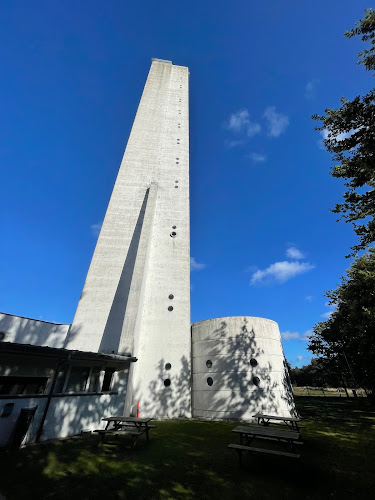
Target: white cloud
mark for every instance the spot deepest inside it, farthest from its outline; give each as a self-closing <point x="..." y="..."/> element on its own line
<point x="302" y="337"/>
<point x="240" y="122"/>
<point x="294" y="253"/>
<point x="310" y="89"/>
<point x="329" y="313"/>
<point x="256" y="157"/>
<point x="234" y="144"/>
<point x="309" y="298"/>
<point x="289" y="335"/>
<point x="339" y="137"/>
<point x="305" y="336"/>
<point x="300" y="358"/>
<point x="196" y="266"/>
<point x="95" y="229"/>
<point x="280" y="272"/>
<point x="277" y="122"/>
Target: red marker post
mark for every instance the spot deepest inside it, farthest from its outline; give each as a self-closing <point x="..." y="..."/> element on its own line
<point x="137" y="409"/>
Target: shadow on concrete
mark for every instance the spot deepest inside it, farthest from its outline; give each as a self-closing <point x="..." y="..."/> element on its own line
<point x="234" y="394"/>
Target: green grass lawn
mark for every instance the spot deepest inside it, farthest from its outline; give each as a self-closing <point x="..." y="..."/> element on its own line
<point x="190" y="459"/>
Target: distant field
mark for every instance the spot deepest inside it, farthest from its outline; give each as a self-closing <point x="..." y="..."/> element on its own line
<point x="327" y="391"/>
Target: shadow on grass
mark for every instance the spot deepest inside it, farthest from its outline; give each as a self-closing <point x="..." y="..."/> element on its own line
<point x="190" y="459"/>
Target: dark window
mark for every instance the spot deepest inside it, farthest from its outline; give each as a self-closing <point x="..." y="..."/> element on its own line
<point x="256" y="381"/>
<point x="61" y="377"/>
<point x="174" y="227"/>
<point x="210" y="381"/>
<point x="170" y="308"/>
<point x="171" y="296"/>
<point x="167" y="382"/>
<point x="173" y="234"/>
<point x="208" y="363"/>
<point x="23" y="385"/>
<point x="107" y="380"/>
<point x="77" y="379"/>
<point x="168" y="366"/>
<point x="253" y="362"/>
<point x="93" y="385"/>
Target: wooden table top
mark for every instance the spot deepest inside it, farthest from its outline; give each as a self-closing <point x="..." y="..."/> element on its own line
<point x="257" y="430"/>
<point x="128" y="419"/>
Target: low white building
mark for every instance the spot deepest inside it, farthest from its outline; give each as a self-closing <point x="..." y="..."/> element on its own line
<point x="51" y="392"/>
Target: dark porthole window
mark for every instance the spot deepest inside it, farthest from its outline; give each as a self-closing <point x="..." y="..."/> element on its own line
<point x="168" y="366"/>
<point x="171" y="296"/>
<point x="174" y="227"/>
<point x="210" y="381"/>
<point x="167" y="382"/>
<point x="173" y="234"/>
<point x="208" y="363"/>
<point x="176" y="186"/>
<point x="256" y="381"/>
<point x="253" y="362"/>
<point x="170" y="308"/>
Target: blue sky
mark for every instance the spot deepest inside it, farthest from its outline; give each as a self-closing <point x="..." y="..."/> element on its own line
<point x="263" y="240"/>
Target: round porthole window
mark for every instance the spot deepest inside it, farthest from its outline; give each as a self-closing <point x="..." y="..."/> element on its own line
<point x="174" y="227"/>
<point x="170" y="308"/>
<point x="210" y="381"/>
<point x="168" y="366"/>
<point x="208" y="363"/>
<point x="253" y="362"/>
<point x="167" y="382"/>
<point x="256" y="381"/>
<point x="171" y="296"/>
<point x="173" y="234"/>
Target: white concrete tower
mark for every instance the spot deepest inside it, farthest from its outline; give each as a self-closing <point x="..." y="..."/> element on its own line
<point x="136" y="298"/>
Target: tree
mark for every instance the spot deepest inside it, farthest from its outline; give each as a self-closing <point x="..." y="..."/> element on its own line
<point x="350" y="137"/>
<point x="347" y="338"/>
<point x="319" y="373"/>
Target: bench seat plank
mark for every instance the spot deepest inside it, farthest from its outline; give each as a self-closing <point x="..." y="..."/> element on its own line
<point x="240" y="448"/>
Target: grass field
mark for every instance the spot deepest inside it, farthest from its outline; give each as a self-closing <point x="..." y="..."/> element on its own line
<point x="190" y="460"/>
<point x="328" y="391"/>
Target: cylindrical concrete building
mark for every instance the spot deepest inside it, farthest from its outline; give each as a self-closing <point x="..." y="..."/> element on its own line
<point x="239" y="369"/>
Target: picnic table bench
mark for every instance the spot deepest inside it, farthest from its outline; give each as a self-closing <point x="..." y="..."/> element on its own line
<point x="289" y="439"/>
<point x="291" y="422"/>
<point x="131" y="426"/>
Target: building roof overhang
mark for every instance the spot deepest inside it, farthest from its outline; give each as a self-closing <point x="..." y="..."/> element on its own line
<point x="63" y="354"/>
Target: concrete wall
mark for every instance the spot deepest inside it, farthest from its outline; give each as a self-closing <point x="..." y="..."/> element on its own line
<point x="31" y="331"/>
<point x="232" y="345"/>
<point x="138" y="263"/>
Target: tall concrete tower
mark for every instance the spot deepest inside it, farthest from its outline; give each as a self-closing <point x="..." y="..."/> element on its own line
<point x="136" y="298"/>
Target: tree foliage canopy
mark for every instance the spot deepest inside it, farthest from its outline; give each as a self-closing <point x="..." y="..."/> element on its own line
<point x="347" y="337"/>
<point x="349" y="133"/>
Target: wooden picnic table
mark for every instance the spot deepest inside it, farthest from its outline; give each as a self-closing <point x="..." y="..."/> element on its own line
<point x="291" y="422"/>
<point x="126" y="425"/>
<point x="250" y="432"/>
<point x="287" y="438"/>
